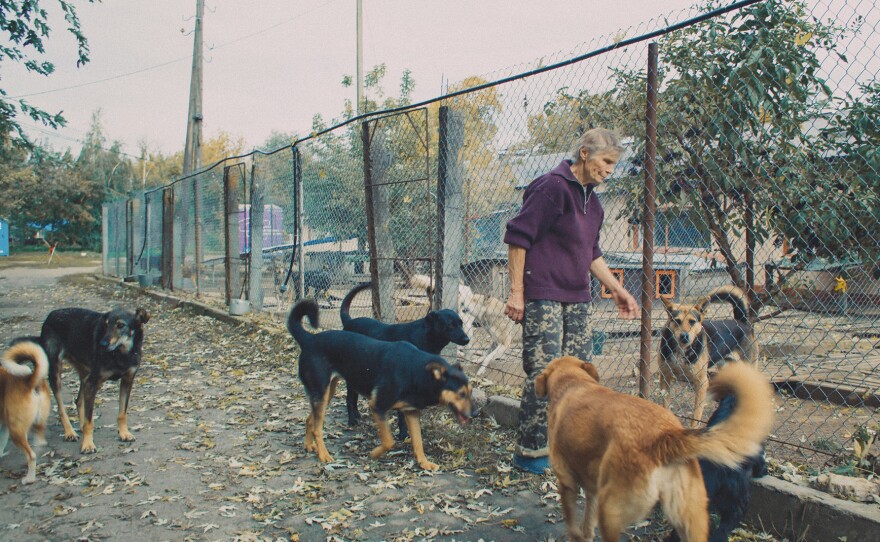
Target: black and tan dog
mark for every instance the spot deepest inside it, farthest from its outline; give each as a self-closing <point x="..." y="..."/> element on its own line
<point x="431" y="334"/>
<point x="691" y="345"/>
<point x="394" y="375"/>
<point x="24" y="400"/>
<point x="101" y="347"/>
<point x="627" y="453"/>
<point x="318" y="281"/>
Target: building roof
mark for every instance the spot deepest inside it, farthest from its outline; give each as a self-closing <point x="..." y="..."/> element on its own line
<point x="668" y="260"/>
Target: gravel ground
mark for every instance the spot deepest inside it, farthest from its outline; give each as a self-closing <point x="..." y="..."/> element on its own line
<point x="218" y="414"/>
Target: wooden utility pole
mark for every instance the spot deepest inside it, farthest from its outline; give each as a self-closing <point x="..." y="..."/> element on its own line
<point x="192" y="152"/>
<point x="359" y="69"/>
<point x="187" y="193"/>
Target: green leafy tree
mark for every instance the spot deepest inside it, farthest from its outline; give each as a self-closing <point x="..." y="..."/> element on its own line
<point x="332" y="166"/>
<point x="732" y="139"/>
<point x="45" y="190"/>
<point x="845" y="168"/>
<point x="103" y="164"/>
<point x="25" y="25"/>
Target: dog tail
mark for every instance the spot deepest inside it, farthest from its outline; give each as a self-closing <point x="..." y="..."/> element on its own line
<point x="736" y="298"/>
<point x="31" y="339"/>
<point x="730" y="441"/>
<point x="308" y="308"/>
<point x="23" y="352"/>
<point x="346" y="302"/>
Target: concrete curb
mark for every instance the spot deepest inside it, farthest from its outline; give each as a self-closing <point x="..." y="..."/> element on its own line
<point x="195" y="306"/>
<point x="778" y="507"/>
<point x="802" y="513"/>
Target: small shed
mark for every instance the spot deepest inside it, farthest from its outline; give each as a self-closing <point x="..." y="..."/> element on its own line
<point x="4" y="237"/>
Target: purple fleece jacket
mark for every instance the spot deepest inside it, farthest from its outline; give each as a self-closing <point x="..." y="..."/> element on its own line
<point x="558" y="226"/>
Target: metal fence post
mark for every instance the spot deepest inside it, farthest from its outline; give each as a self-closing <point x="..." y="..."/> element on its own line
<point x="300" y="243"/>
<point x="105" y="238"/>
<point x="650" y="204"/>
<point x="450" y="210"/>
<point x="233" y="250"/>
<point x="129" y="228"/>
<point x="168" y="238"/>
<point x="376" y="161"/>
<point x="255" y="254"/>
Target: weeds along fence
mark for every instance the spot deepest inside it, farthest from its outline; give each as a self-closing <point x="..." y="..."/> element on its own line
<point x="751" y="159"/>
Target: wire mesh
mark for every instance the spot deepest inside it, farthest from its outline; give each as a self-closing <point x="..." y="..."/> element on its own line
<point x="766" y="178"/>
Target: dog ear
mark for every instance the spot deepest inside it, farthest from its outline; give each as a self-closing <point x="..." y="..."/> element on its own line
<point x="667" y="303"/>
<point x="591" y="370"/>
<point x="142" y="315"/>
<point x="436" y="369"/>
<point x="431" y="317"/>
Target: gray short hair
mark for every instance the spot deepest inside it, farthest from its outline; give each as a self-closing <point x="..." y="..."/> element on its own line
<point x="597" y="140"/>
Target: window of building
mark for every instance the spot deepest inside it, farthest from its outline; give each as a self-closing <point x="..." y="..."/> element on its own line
<point x="618" y="274"/>
<point x="665" y="286"/>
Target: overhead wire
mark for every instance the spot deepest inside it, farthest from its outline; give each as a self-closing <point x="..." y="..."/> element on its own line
<point x="169" y="62"/>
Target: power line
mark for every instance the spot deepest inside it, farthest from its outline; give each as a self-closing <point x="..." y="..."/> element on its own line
<point x="81" y="142"/>
<point x="163" y="64"/>
<point x="120" y="76"/>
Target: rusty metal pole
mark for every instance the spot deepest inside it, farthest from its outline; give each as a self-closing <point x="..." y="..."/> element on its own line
<point x="649" y="209"/>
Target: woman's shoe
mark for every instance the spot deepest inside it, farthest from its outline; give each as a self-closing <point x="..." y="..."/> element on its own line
<point x="535" y="465"/>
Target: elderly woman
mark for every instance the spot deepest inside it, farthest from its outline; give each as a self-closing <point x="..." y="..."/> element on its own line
<point x="553" y="247"/>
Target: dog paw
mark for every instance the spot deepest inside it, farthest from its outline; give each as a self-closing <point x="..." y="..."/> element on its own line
<point x="30" y="479"/>
<point x="427" y="465"/>
<point x="126" y="437"/>
<point x="325" y="458"/>
<point x="71" y="437"/>
<point x="88" y="449"/>
<point x="378" y="452"/>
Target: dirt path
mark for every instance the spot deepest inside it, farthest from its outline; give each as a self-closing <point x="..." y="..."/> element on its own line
<point x="218" y="414"/>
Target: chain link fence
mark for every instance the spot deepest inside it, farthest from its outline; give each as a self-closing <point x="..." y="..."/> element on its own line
<point x="764" y="155"/>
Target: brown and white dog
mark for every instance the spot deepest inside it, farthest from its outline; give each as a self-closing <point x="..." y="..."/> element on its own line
<point x="24" y="400"/>
<point x="627" y="453"/>
<point x="691" y="345"/>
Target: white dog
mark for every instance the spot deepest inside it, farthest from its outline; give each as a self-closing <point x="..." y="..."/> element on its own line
<point x="486" y="310"/>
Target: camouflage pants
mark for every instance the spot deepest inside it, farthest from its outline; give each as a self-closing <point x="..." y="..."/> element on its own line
<point x="550" y="329"/>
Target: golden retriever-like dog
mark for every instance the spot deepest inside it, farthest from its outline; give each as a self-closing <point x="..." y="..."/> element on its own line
<point x="24" y="400"/>
<point x="628" y="453"/>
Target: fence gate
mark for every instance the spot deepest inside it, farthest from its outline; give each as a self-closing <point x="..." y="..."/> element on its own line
<point x="400" y="202"/>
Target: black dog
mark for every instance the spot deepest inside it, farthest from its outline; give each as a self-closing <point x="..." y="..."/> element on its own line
<point x="728" y="489"/>
<point x="394" y="375"/>
<point x="100" y="347"/>
<point x="318" y="281"/>
<point x="431" y="334"/>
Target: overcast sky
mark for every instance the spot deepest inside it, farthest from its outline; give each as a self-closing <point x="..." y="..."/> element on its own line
<point x="273" y="64"/>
